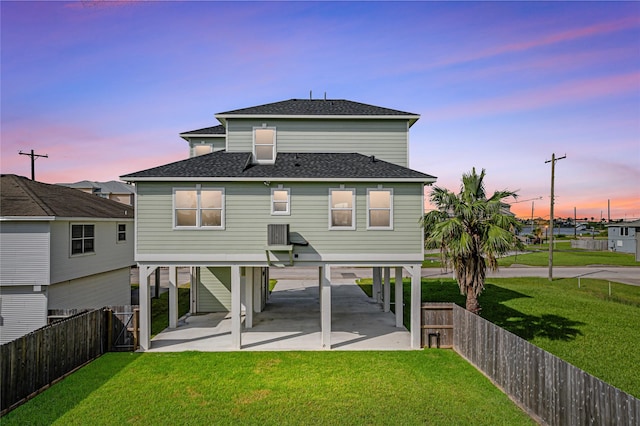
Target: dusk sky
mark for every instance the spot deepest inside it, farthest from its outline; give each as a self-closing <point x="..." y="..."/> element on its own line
<point x="104" y="88"/>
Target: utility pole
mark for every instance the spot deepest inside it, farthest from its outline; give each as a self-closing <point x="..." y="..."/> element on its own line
<point x="553" y="174"/>
<point x="33" y="161"/>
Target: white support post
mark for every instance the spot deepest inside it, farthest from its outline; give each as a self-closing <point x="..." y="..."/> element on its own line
<point x="145" y="307"/>
<point x="398" y="299"/>
<point x="387" y="290"/>
<point x="416" y="330"/>
<point x="325" y="308"/>
<point x="257" y="294"/>
<point x="192" y="289"/>
<point x="375" y="288"/>
<point x="173" y="297"/>
<point x="236" y="309"/>
<point x="248" y="293"/>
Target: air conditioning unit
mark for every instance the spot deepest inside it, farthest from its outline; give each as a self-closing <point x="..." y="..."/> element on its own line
<point x="278" y="235"/>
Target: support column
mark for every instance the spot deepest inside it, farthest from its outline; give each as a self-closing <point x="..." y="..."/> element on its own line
<point x="399" y="303"/>
<point x="416" y="330"/>
<point x="173" y="297"/>
<point x="193" y="292"/>
<point x="387" y="290"/>
<point x="236" y="308"/>
<point x="325" y="308"/>
<point x="248" y="282"/>
<point x="375" y="288"/>
<point x="257" y="290"/>
<point x="145" y="307"/>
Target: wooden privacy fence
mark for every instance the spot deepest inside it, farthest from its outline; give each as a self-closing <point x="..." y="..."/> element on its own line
<point x="550" y="389"/>
<point x="33" y="362"/>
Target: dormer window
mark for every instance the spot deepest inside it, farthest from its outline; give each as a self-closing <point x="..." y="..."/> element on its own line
<point x="202" y="149"/>
<point x="264" y="145"/>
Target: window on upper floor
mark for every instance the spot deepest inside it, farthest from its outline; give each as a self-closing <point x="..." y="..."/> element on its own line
<point x="198" y="208"/>
<point x="122" y="232"/>
<point x="82" y="239"/>
<point x="280" y="201"/>
<point x="202" y="149"/>
<point x="380" y="208"/>
<point x="342" y="210"/>
<point x="264" y="145"/>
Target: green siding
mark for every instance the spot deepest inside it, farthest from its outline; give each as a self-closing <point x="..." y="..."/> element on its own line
<point x="214" y="290"/>
<point x="248" y="213"/>
<point x="386" y="139"/>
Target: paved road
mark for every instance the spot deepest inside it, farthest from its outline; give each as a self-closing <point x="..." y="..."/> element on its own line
<point x="626" y="275"/>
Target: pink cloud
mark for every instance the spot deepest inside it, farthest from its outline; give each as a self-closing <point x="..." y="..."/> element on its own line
<point x="566" y="93"/>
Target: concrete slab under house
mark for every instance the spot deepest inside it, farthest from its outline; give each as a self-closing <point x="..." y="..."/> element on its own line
<point x="314" y="183"/>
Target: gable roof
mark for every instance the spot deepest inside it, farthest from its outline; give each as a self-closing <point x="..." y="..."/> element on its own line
<point x="315" y="108"/>
<point x="215" y="131"/>
<point x="631" y="224"/>
<point x="22" y="197"/>
<point x="110" y="187"/>
<point x="222" y="165"/>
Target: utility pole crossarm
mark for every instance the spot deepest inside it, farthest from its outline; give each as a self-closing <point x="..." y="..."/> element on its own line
<point x="553" y="173"/>
<point x="33" y="156"/>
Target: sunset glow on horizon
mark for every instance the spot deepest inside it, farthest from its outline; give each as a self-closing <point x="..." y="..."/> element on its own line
<point x="105" y="88"/>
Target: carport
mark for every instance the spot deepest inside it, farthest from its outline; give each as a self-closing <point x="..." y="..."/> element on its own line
<point x="293" y="318"/>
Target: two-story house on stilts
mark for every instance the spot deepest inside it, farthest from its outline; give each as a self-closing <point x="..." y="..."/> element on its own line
<point x="321" y="183"/>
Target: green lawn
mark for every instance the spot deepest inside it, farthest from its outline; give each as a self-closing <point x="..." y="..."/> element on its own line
<point x="160" y="309"/>
<point x="584" y="326"/>
<point x="570" y="257"/>
<point x="273" y="388"/>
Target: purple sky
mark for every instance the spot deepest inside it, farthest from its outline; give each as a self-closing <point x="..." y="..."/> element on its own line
<point x="104" y="88"/>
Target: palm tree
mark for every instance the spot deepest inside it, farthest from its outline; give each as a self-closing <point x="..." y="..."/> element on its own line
<point x="471" y="231"/>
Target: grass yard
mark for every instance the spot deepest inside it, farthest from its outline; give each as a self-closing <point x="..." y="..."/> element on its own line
<point x="160" y="309"/>
<point x="570" y="258"/>
<point x="273" y="388"/>
<point x="584" y="326"/>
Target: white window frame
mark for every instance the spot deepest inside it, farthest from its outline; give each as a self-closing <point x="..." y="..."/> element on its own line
<point x="287" y="212"/>
<point x="118" y="232"/>
<point x="71" y="239"/>
<point x="196" y="145"/>
<point x="387" y="228"/>
<point x="199" y="189"/>
<point x="255" y="156"/>
<point x="353" y="210"/>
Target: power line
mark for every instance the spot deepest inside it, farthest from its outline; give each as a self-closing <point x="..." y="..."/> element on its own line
<point x="33" y="161"/>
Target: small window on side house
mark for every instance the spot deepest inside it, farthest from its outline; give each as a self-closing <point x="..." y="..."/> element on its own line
<point x="342" y="211"/>
<point x="280" y="201"/>
<point x="82" y="239"/>
<point x="202" y="149"/>
<point x="264" y="145"/>
<point x="122" y="232"/>
<point x="379" y="209"/>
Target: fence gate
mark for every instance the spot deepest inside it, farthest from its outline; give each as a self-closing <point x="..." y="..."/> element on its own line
<point x="122" y="328"/>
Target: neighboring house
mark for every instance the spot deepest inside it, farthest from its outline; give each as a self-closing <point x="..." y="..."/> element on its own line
<point x="112" y="190"/>
<point x="318" y="183"/>
<point x="624" y="236"/>
<point x="59" y="249"/>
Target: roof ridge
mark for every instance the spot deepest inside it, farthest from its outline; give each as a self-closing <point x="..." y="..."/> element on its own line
<point x="44" y="206"/>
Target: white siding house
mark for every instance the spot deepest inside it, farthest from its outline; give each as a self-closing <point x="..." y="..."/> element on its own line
<point x="320" y="183"/>
<point x="59" y="249"/>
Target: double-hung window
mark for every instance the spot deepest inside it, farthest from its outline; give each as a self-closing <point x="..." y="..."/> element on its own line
<point x="280" y="201"/>
<point x="198" y="208"/>
<point x="342" y="209"/>
<point x="264" y="145"/>
<point x="380" y="208"/>
<point x="82" y="239"/>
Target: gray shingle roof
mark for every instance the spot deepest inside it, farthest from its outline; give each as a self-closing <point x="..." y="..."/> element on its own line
<point x="215" y="130"/>
<point x="20" y="196"/>
<point x="222" y="164"/>
<point x="317" y="107"/>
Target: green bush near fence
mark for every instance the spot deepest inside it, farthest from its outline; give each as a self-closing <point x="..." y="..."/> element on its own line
<point x="597" y="332"/>
<point x="274" y="388"/>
